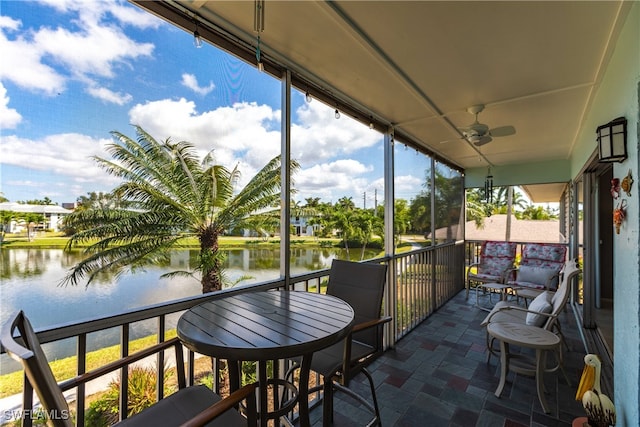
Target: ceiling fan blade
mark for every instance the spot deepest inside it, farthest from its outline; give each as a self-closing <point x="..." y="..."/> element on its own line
<point x="503" y="131"/>
<point x="482" y="140"/>
<point x="451" y="140"/>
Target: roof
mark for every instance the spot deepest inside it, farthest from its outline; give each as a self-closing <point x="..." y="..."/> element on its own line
<point x="41" y="209"/>
<point x="521" y="230"/>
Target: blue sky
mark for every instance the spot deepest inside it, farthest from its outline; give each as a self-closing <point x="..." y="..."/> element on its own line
<point x="72" y="71"/>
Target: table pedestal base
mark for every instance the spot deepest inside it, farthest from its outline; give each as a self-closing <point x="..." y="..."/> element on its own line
<point x="279" y="410"/>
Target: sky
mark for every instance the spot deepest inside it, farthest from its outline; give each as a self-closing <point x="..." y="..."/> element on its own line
<point x="73" y="71"/>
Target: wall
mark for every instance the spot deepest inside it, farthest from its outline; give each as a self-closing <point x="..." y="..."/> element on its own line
<point x="618" y="95"/>
<point x="529" y="173"/>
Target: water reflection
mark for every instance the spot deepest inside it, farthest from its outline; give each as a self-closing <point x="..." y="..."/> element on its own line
<point x="31" y="282"/>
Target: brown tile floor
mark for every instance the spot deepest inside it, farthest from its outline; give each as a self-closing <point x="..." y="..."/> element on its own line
<point x="438" y="376"/>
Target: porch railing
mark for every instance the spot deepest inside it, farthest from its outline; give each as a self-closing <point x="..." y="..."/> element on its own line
<point x="421" y="282"/>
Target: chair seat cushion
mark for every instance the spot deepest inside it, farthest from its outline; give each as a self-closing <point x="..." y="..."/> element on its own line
<point x="500" y="313"/>
<point x="182" y="406"/>
<point x="520" y="284"/>
<point x="540" y="304"/>
<point x="484" y="277"/>
<point x="328" y="361"/>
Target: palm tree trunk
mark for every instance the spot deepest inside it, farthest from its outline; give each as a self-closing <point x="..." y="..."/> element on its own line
<point x="210" y="260"/>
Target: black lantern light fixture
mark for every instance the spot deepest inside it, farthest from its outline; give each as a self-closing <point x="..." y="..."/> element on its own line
<point x="612" y="141"/>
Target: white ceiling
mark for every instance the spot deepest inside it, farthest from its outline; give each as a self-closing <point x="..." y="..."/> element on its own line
<point x="418" y="65"/>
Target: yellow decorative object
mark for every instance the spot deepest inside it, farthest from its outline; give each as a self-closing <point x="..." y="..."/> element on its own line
<point x="626" y="183"/>
<point x="600" y="409"/>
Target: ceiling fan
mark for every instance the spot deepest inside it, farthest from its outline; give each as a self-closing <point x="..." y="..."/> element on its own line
<point x="478" y="133"/>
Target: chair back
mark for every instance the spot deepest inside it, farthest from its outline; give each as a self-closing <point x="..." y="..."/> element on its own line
<point x="549" y="256"/>
<point x="560" y="297"/>
<point x="361" y="285"/>
<point x="496" y="257"/>
<point x="26" y="349"/>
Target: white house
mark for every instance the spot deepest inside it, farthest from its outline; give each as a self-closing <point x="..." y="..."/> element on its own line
<point x="53" y="215"/>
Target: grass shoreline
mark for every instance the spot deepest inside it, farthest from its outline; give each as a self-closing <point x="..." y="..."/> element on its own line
<point x="59" y="241"/>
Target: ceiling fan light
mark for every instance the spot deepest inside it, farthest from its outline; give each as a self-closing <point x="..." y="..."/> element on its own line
<point x="474" y="138"/>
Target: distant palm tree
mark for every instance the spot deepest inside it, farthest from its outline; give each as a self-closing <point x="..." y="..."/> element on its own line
<point x="171" y="194"/>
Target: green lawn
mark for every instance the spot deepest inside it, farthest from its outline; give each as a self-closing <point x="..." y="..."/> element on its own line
<point x="11" y="384"/>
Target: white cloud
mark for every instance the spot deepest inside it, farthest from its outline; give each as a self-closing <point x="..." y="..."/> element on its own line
<point x="68" y="155"/>
<point x="133" y="16"/>
<point x="109" y="96"/>
<point x="95" y="10"/>
<point x="9" y="117"/>
<point x="190" y="81"/>
<point x="248" y="134"/>
<point x="21" y="64"/>
<point x="26" y="183"/>
<point x="87" y="47"/>
<point x="9" y="23"/>
<point x="238" y="133"/>
<point x="407" y="186"/>
<point x="94" y="51"/>
<point x="332" y="180"/>
<point x="318" y="135"/>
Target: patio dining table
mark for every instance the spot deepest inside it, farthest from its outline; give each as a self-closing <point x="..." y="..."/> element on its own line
<point x="267" y="326"/>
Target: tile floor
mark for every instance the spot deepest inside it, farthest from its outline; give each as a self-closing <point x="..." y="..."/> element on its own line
<point x="438" y="375"/>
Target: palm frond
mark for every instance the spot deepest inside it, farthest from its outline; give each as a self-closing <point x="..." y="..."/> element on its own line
<point x="261" y="192"/>
<point x="180" y="273"/>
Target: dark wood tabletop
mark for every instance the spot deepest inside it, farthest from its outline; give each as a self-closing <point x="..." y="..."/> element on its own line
<point x="265" y="325"/>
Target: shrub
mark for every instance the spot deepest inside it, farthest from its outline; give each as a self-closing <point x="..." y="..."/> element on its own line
<point x="141" y="389"/>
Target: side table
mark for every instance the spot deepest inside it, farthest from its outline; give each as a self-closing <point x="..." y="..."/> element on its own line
<point x="493" y="287"/>
<point x="526" y="336"/>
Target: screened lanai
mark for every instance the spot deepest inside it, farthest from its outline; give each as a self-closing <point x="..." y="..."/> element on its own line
<point x="407" y="81"/>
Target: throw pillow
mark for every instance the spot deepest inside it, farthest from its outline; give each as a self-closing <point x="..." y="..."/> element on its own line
<point x="537" y="275"/>
<point x="540" y="304"/>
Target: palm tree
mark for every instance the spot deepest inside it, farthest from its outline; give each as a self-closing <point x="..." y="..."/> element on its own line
<point x="170" y="194"/>
<point x="342" y="219"/>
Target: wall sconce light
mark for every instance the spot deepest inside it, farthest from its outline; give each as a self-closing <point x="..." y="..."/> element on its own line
<point x="612" y="141"/>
